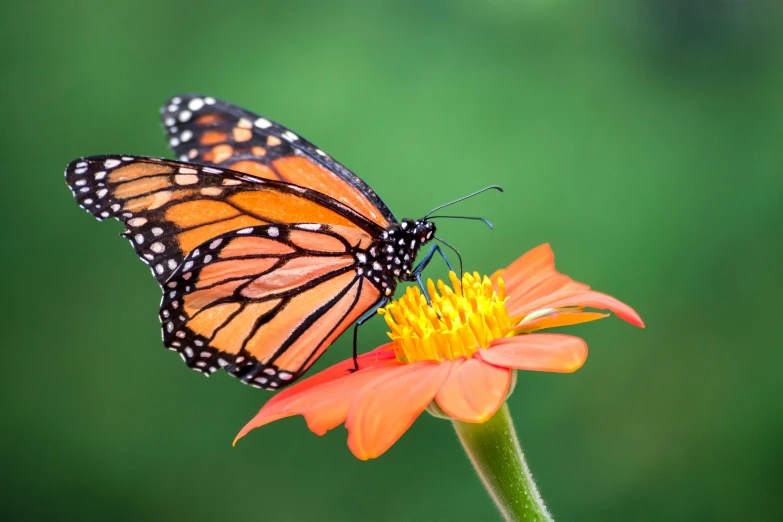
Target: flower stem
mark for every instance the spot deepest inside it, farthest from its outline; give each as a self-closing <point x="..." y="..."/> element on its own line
<point x="494" y="450"/>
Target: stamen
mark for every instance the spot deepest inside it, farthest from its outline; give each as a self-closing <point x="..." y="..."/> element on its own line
<point x="461" y="319"/>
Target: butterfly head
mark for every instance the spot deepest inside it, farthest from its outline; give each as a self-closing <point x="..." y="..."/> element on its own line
<point x="401" y="243"/>
<point x="421" y="229"/>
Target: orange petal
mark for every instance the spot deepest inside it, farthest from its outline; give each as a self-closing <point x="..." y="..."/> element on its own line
<point x="556" y="319"/>
<point x="474" y="390"/>
<point x="533" y="283"/>
<point x="339" y="370"/>
<point x="324" y="398"/>
<point x="388" y="406"/>
<point x="538" y="352"/>
<point x="593" y="299"/>
<point x="533" y="276"/>
<point x="584" y="299"/>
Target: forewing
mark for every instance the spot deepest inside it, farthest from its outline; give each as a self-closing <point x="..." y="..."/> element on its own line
<point x="169" y="207"/>
<point x="213" y="132"/>
<point x="266" y="301"/>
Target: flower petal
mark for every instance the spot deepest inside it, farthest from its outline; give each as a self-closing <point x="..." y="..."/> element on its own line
<point x="474" y="390"/>
<point x="585" y="299"/>
<point x="554" y="318"/>
<point x="366" y="360"/>
<point x="533" y="275"/>
<point x="388" y="406"/>
<point x="324" y="399"/>
<point x="538" y="352"/>
<point x="533" y="283"/>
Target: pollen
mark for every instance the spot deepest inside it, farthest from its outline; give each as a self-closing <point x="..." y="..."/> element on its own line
<point x="460" y="319"/>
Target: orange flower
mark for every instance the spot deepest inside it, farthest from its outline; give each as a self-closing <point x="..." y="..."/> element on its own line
<point x="458" y="353"/>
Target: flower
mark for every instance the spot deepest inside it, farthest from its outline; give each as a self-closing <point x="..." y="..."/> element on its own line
<point x="458" y="352"/>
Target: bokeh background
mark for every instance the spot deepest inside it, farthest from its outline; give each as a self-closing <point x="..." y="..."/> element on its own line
<point x="641" y="138"/>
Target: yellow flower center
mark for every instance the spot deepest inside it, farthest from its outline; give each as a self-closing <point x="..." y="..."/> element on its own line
<point x="458" y="322"/>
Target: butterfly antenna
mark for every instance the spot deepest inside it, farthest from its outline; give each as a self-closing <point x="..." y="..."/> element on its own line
<point x="456" y="252"/>
<point x="483" y="220"/>
<point x="491" y="187"/>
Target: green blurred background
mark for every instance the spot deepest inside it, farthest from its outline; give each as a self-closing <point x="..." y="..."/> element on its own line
<point x="642" y="138"/>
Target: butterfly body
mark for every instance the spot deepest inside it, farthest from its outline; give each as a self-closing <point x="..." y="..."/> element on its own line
<point x="266" y="249"/>
<point x="391" y="258"/>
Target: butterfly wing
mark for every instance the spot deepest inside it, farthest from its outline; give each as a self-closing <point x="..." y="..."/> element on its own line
<point x="170" y="208"/>
<point x="266" y="301"/>
<point x="214" y="132"/>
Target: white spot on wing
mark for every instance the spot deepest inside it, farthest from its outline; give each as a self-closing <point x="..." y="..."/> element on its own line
<point x="195" y="104"/>
<point x="186" y="179"/>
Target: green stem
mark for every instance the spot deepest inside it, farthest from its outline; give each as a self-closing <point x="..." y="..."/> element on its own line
<point x="494" y="450"/>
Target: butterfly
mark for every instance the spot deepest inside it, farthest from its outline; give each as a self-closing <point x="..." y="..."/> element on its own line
<point x="265" y="247"/>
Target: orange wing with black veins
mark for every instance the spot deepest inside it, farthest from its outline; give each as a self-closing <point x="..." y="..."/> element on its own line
<point x="169" y="207"/>
<point x="266" y="301"/>
<point x="213" y="132"/>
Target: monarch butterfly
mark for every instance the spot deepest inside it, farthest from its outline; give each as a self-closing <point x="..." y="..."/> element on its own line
<point x="266" y="248"/>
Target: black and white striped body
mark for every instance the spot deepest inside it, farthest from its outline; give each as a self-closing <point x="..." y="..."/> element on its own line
<point x="391" y="258"/>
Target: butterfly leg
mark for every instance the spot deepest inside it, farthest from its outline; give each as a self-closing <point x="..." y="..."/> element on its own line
<point x="363" y="319"/>
<point x="423" y="264"/>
